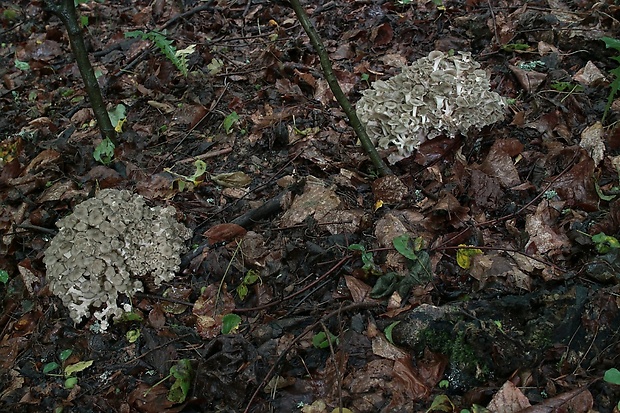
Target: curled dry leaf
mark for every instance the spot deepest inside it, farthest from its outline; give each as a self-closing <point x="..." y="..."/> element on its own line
<point x="224" y="233"/>
<point x="232" y="179"/>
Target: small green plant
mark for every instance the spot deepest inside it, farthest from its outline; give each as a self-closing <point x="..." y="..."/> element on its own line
<point x="69" y="371"/>
<point x="4" y="276"/>
<point x="182" y="373"/>
<point x="24" y="66"/>
<point x="322" y="340"/>
<point x="230" y="323"/>
<point x="230" y="121"/>
<point x="604" y="243"/>
<point x="104" y="152"/>
<point x="177" y="57"/>
<point x="250" y="278"/>
<point x="367" y="259"/>
<point x="529" y="66"/>
<point x="194" y="180"/>
<point x="566" y="87"/>
<point x="612" y="376"/>
<point x="612" y="43"/>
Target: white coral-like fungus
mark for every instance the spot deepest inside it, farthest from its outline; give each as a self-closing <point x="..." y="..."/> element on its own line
<point x="105" y="246"/>
<point x="437" y="95"/>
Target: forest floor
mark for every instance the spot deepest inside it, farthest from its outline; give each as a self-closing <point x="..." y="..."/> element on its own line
<point x="352" y="291"/>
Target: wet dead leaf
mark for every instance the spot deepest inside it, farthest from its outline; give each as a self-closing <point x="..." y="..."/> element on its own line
<point x="413" y="385"/>
<point x="593" y="142"/>
<point x="232" y="179"/>
<point x="317" y="199"/>
<point x="540" y="227"/>
<point x="529" y="80"/>
<point x="387" y="228"/>
<point x="389" y="189"/>
<point x="383" y="348"/>
<point x="576" y="401"/>
<point x="360" y="291"/>
<point x="224" y="233"/>
<point x="509" y="399"/>
<point x="576" y="186"/>
<point x="589" y="75"/>
<point x="210" y="307"/>
<point x="499" y="163"/>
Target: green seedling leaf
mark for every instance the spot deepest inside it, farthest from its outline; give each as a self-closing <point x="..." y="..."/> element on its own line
<point x="133" y="335"/>
<point x="4" y="276"/>
<point x="421" y="269"/>
<point x="566" y="87"/>
<point x="50" y="367"/>
<point x="118" y="116"/>
<point x="251" y="277"/>
<point x="357" y="247"/>
<point x="201" y="168"/>
<point x="70" y="383"/>
<point x="464" y="256"/>
<point x="242" y="291"/>
<point x="403" y="245"/>
<point x="388" y="331"/>
<point x="182" y="372"/>
<point x="23" y="66"/>
<point x="444" y="384"/>
<point x="612" y="376"/>
<point x="65" y="354"/>
<point x="230" y="323"/>
<point x="77" y="367"/>
<point x="320" y="340"/>
<point x="604" y="243"/>
<point x="104" y="152"/>
<point x="229" y="121"/>
<point x="367" y="259"/>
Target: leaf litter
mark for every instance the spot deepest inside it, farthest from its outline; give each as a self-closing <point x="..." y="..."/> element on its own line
<point x="487" y="250"/>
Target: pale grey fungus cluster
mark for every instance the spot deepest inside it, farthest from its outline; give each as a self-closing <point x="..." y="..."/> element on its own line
<point x="437" y="95"/>
<point x="105" y="246"/>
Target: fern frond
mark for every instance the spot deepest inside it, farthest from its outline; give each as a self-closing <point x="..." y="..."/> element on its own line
<point x="178" y="58"/>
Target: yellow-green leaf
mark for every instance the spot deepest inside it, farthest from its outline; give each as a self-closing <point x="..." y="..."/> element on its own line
<point x="77" y="367"/>
<point x="464" y="256"/>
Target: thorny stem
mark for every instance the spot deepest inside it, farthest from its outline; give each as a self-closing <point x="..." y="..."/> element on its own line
<point x="332" y="81"/>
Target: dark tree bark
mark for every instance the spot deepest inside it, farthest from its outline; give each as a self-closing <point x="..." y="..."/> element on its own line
<point x="332" y="81"/>
<point x="65" y="10"/>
